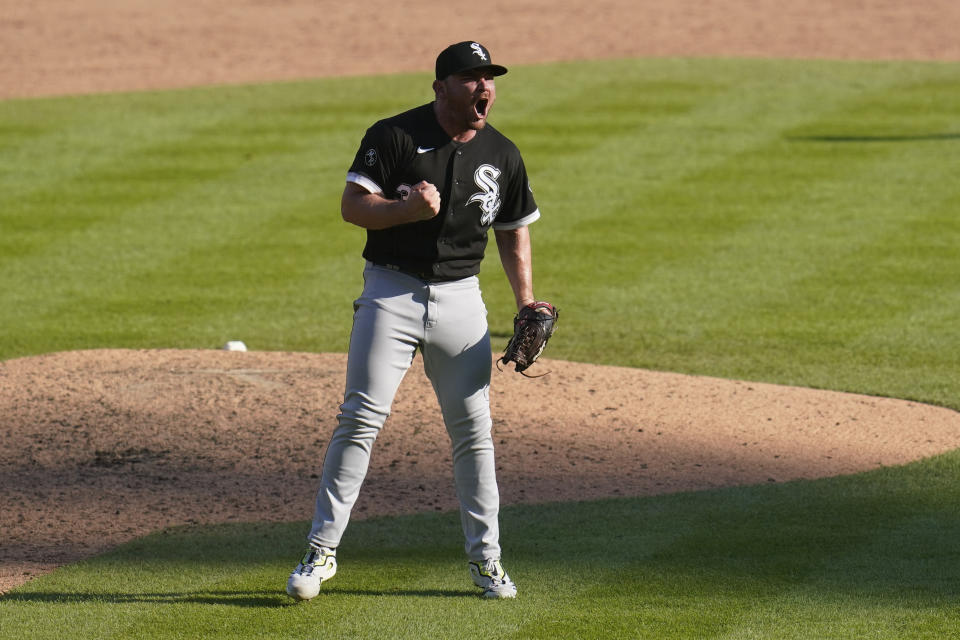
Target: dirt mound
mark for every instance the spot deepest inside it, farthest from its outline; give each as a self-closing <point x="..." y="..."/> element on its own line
<point x="100" y="447"/>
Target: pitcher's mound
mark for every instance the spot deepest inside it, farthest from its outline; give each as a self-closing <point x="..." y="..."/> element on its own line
<point x="100" y="447"/>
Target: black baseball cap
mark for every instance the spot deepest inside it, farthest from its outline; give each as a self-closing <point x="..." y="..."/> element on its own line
<point x="466" y="56"/>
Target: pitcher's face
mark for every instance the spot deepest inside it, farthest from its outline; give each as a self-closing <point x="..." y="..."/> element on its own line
<point x="464" y="99"/>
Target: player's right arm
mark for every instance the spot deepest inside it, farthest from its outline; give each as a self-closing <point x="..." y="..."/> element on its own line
<point x="368" y="199"/>
<point x="373" y="211"/>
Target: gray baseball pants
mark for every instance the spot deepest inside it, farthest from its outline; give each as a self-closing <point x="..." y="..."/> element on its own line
<point x="395" y="315"/>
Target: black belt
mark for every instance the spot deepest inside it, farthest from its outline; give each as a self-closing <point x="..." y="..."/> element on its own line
<point x="425" y="275"/>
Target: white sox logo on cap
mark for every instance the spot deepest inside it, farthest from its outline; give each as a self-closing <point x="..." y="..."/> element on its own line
<point x="466" y="56"/>
<point x="478" y="49"/>
<point x="489" y="198"/>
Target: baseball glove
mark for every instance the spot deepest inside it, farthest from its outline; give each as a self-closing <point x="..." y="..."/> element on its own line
<point x="532" y="327"/>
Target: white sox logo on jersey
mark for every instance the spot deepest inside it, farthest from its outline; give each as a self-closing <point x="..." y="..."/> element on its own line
<point x="489" y="198"/>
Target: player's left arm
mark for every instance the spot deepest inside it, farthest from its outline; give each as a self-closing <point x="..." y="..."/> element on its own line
<point x="516" y="256"/>
<point x="512" y="231"/>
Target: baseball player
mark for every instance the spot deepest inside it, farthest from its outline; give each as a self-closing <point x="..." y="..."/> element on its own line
<point x="427" y="185"/>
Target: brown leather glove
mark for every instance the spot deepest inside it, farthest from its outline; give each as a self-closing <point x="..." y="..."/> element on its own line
<point x="532" y="327"/>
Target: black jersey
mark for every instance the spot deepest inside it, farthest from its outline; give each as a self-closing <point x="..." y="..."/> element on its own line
<point x="482" y="183"/>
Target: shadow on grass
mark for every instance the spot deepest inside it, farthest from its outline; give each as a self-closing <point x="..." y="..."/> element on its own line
<point x="929" y="137"/>
<point x="887" y="536"/>
<point x="256" y="599"/>
<point x="235" y="598"/>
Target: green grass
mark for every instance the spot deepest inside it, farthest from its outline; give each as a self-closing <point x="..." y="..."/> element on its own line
<point x="784" y="221"/>
<point x="875" y="555"/>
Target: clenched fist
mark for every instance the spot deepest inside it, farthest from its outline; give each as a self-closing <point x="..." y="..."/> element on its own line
<point x="423" y="202"/>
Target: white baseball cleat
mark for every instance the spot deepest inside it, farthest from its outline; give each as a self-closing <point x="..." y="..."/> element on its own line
<point x="490" y="576"/>
<point x="316" y="566"/>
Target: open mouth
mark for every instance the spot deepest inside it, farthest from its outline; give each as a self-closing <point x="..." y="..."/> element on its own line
<point x="481" y="107"/>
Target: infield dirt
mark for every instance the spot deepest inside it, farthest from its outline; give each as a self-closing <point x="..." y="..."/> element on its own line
<point x="100" y="447"/>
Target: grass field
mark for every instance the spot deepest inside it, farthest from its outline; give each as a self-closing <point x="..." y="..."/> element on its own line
<point x="875" y="555"/>
<point x="791" y="222"/>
